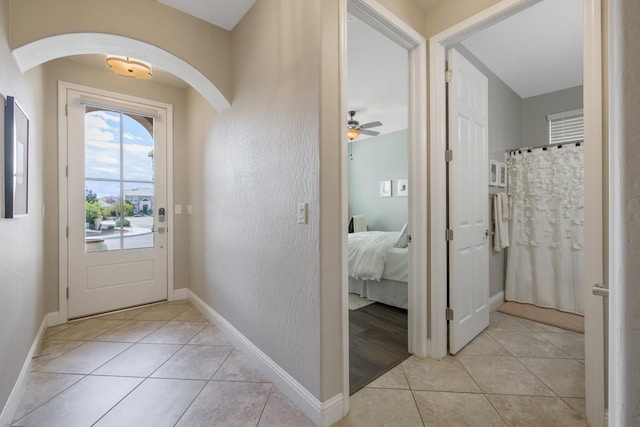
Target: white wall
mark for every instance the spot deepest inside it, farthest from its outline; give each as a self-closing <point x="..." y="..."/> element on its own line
<point x="371" y="160"/>
<point x="250" y="166"/>
<point x="22" y="293"/>
<point x="101" y="78"/>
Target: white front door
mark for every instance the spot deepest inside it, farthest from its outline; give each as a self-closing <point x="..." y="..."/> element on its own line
<point x="117" y="244"/>
<point x="468" y="202"/>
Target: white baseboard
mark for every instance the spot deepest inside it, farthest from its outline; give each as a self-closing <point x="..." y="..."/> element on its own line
<point x="179" y="294"/>
<point x="17" y="393"/>
<point x="55" y="319"/>
<point x="323" y="414"/>
<point x="496" y="301"/>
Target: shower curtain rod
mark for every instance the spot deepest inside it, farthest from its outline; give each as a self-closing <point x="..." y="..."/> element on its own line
<point x="544" y="147"/>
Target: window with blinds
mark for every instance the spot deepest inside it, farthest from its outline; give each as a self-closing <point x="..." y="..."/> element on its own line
<point x="566" y="127"/>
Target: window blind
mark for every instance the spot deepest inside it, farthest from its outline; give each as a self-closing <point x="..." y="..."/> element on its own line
<point x="566" y="127"/>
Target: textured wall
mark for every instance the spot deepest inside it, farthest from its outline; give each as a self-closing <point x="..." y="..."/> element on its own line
<point x="101" y="78"/>
<point x="407" y="11"/>
<point x="259" y="268"/>
<point x="371" y="160"/>
<point x="535" y="127"/>
<point x="624" y="349"/>
<point x="450" y="12"/>
<point x="22" y="290"/>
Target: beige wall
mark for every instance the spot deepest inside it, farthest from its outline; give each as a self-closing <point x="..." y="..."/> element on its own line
<point x="407" y="11"/>
<point x="254" y="162"/>
<point x="450" y="12"/>
<point x="22" y="293"/>
<point x="101" y="78"/>
<point x="145" y="20"/>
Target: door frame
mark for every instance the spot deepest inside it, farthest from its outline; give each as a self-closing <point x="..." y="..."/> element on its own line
<point x="594" y="164"/>
<point x="62" y="314"/>
<point x="381" y="19"/>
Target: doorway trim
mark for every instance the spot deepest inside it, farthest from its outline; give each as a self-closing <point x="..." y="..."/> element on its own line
<point x="592" y="84"/>
<point x="62" y="314"/>
<point x="381" y="19"/>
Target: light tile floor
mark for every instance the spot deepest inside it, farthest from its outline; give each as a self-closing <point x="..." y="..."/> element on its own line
<point x="166" y="365"/>
<point x="163" y="365"/>
<point x="515" y="373"/>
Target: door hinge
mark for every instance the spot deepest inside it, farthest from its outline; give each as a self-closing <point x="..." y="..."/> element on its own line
<point x="448" y="75"/>
<point x="448" y="155"/>
<point x="408" y="238"/>
<point x="66" y="171"/>
<point x="449" y="313"/>
<point x="67" y="232"/>
<point x="67" y="293"/>
<point x="66" y="109"/>
<point x="449" y="234"/>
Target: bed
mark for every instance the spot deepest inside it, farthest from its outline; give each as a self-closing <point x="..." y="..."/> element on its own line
<point x="378" y="270"/>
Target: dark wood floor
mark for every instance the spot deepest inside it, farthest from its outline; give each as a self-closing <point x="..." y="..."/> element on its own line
<point x="378" y="341"/>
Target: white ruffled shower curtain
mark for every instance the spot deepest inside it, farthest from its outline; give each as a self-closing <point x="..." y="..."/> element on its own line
<point x="545" y="264"/>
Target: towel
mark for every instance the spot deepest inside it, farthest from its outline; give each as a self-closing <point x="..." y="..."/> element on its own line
<point x="359" y="223"/>
<point x="504" y="200"/>
<point x="501" y="227"/>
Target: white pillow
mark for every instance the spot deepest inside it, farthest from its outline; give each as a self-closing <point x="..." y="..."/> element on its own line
<point x="402" y="238"/>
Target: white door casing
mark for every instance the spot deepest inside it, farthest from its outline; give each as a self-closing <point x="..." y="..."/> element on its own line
<point x="380" y="18"/>
<point x="108" y="280"/>
<point x="468" y="202"/>
<point x="594" y="163"/>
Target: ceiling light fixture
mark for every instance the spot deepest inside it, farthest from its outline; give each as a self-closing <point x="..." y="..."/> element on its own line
<point x="353" y="133"/>
<point x="127" y="67"/>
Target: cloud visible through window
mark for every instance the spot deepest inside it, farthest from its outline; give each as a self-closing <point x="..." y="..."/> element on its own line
<point x="103" y="144"/>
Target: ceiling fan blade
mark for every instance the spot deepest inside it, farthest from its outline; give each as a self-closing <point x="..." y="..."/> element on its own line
<point x="370" y="125"/>
<point x="369" y="132"/>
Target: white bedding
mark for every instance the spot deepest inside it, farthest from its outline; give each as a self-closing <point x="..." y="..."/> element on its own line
<point x="397" y="265"/>
<point x="368" y="252"/>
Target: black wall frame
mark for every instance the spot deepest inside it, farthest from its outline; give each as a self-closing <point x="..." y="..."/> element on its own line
<point x="16" y="160"/>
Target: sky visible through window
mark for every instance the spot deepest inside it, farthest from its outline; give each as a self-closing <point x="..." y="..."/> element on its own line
<point x="102" y="152"/>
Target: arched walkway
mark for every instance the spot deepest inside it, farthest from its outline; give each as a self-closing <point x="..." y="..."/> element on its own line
<point x="47" y="49"/>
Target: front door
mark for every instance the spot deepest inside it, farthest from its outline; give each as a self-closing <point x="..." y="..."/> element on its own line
<point x="117" y="245"/>
<point x="468" y="202"/>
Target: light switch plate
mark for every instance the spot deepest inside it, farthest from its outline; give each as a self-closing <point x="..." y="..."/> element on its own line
<point x="302" y="213"/>
<point x="177" y="210"/>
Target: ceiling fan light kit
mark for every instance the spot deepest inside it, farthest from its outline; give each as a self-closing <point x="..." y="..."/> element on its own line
<point x="354" y="128"/>
<point x="353" y="133"/>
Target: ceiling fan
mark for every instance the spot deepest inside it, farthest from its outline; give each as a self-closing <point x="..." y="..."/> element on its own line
<point x="354" y="128"/>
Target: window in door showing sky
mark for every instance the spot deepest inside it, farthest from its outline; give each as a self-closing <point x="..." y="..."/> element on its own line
<point x="119" y="190"/>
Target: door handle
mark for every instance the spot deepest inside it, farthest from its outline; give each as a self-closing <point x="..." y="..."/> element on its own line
<point x="600" y="290"/>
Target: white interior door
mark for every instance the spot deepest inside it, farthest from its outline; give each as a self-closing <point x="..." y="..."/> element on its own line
<point x="117" y="245"/>
<point x="468" y="202"/>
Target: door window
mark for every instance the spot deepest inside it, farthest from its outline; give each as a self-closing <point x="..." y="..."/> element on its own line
<point x="119" y="181"/>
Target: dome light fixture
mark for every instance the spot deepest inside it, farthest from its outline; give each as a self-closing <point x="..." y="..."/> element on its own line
<point x="127" y="67"/>
<point x="353" y="133"/>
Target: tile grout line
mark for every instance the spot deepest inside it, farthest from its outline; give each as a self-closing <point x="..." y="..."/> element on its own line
<point x="52" y="397"/>
<point x="190" y="404"/>
<point x="266" y="402"/>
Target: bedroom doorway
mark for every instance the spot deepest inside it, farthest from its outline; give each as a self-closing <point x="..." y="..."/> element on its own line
<point x="386" y="317"/>
<point x="590" y="95"/>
